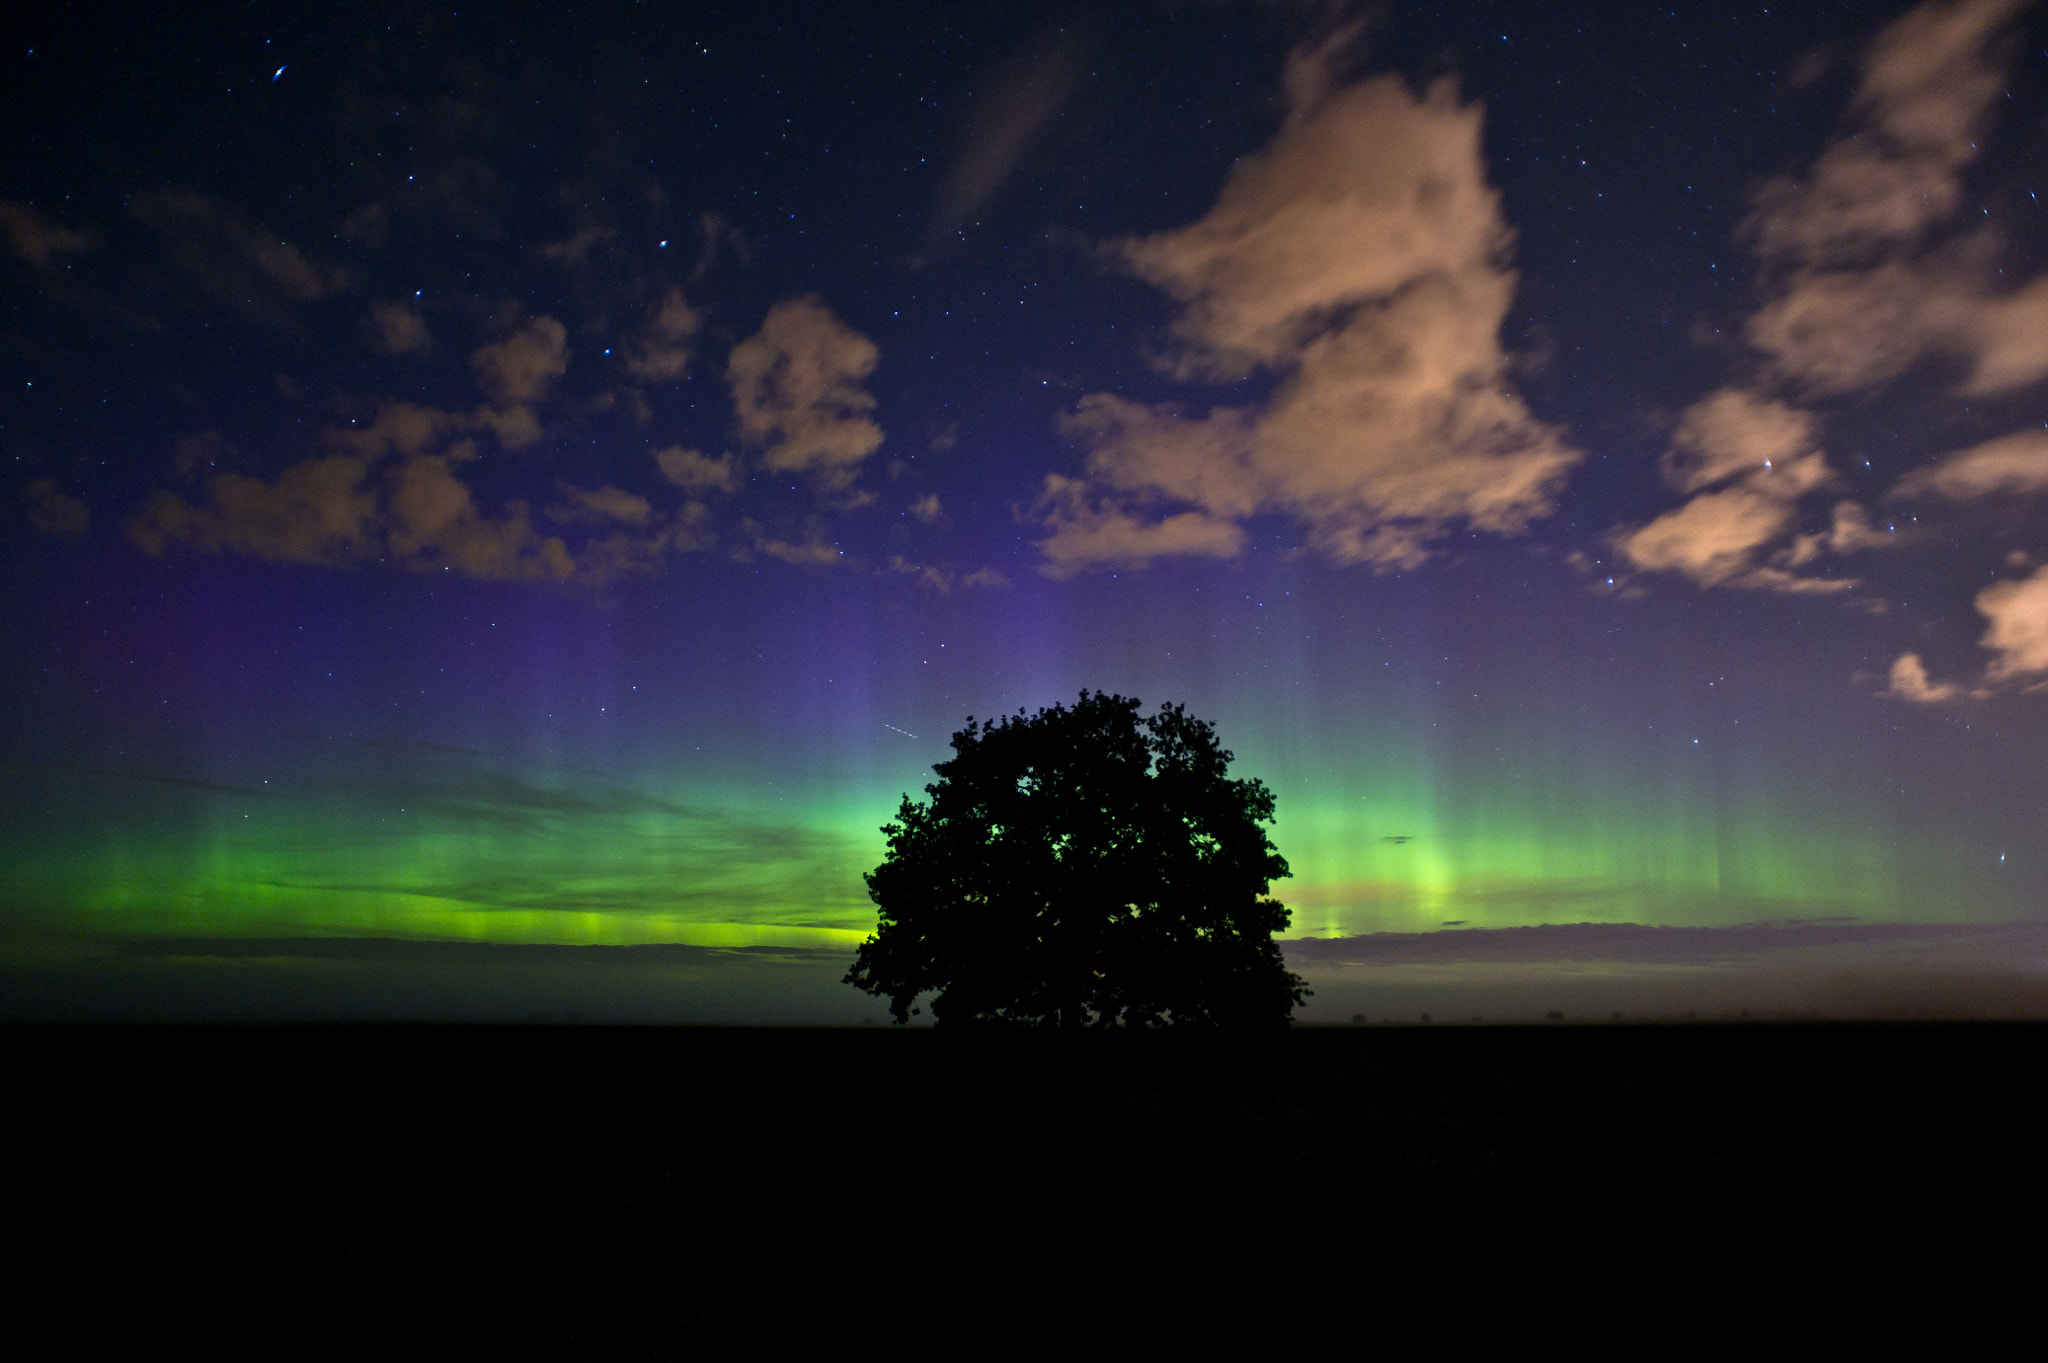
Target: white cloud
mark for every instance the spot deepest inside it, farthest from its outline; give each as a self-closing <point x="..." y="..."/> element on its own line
<point x="1360" y="259"/>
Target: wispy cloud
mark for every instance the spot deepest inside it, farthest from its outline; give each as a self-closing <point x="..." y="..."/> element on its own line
<point x="1009" y="111"/>
<point x="2011" y="464"/>
<point x="233" y="261"/>
<point x="1647" y="945"/>
<point x="32" y="237"/>
<point x="56" y="512"/>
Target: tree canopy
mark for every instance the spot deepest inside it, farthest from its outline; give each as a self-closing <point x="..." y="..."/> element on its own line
<point x="1083" y="867"/>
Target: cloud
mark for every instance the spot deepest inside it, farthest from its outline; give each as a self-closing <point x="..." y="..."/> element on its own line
<point x="693" y="471"/>
<point x="812" y="551"/>
<point x="2016" y="463"/>
<point x="603" y="506"/>
<point x="664" y="350"/>
<point x="400" y="428"/>
<point x="2017" y="635"/>
<point x="1647" y="944"/>
<point x="575" y="250"/>
<point x="2018" y="612"/>
<point x="798" y="395"/>
<point x="34" y="238"/>
<point x="1751" y="460"/>
<point x="1006" y="116"/>
<point x="1860" y="290"/>
<point x="435" y="523"/>
<point x="936" y="578"/>
<point x="1926" y="88"/>
<point x="1087" y="534"/>
<point x="1863" y="279"/>
<point x="1731" y="433"/>
<point x="523" y="367"/>
<point x="1909" y="683"/>
<point x="1713" y="539"/>
<point x="234" y="262"/>
<point x="317" y="511"/>
<point x="944" y="579"/>
<point x="369" y="225"/>
<point x="1360" y="260"/>
<point x="398" y="329"/>
<point x="391" y="491"/>
<point x="927" y="508"/>
<point x="55" y="512"/>
<point x="516" y="427"/>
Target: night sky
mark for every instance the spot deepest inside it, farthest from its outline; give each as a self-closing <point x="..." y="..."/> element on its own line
<point x="501" y="503"/>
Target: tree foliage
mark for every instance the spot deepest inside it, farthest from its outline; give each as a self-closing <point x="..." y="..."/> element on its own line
<point x="1083" y="867"/>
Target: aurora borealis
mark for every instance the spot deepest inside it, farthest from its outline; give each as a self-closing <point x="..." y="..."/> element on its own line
<point x="532" y="481"/>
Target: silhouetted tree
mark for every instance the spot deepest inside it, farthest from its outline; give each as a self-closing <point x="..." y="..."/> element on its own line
<point x="1083" y="867"/>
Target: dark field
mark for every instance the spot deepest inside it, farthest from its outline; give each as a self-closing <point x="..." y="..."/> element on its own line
<point x="611" y="1192"/>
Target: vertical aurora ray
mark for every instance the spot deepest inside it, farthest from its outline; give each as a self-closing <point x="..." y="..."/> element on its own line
<point x="649" y="771"/>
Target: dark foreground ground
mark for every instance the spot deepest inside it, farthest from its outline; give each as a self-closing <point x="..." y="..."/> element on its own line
<point x="611" y="1192"/>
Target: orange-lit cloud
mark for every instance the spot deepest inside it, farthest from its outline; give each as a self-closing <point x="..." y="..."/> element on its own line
<point x="1909" y="682"/>
<point x="693" y="471"/>
<point x="1088" y="534"/>
<point x="799" y="395"/>
<point x="1861" y="287"/>
<point x="1750" y="461"/>
<point x="399" y="329"/>
<point x="2018" y="635"/>
<point x="521" y="369"/>
<point x="665" y="347"/>
<point x="32" y="237"/>
<point x="2011" y="464"/>
<point x="55" y="512"/>
<point x="317" y="511"/>
<point x="234" y="261"/>
<point x="1360" y="261"/>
